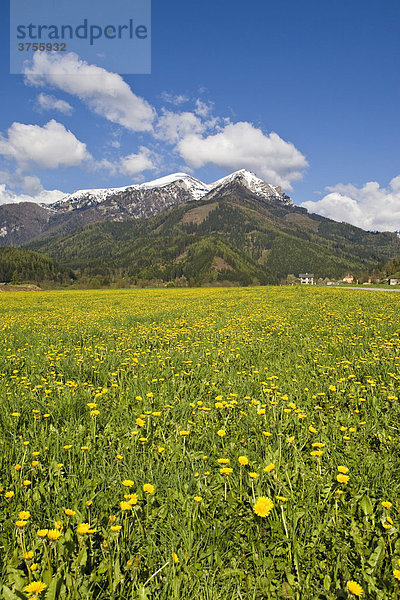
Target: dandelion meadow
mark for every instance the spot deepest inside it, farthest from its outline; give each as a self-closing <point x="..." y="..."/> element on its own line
<point x="200" y="443"/>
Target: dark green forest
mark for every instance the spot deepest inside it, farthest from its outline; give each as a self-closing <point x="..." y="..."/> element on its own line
<point x="20" y="266"/>
<point x="237" y="239"/>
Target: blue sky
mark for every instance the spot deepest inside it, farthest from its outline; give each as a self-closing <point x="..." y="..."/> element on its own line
<point x="305" y="94"/>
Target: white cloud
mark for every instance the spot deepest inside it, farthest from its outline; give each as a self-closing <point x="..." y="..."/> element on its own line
<point x="28" y="183"/>
<point x="241" y="145"/>
<point x="203" y="108"/>
<point x="197" y="136"/>
<point x="8" y="196"/>
<point x="370" y="207"/>
<point x="105" y="93"/>
<point x="172" y="99"/>
<point x="49" y="102"/>
<point x="134" y="164"/>
<point x="49" y="147"/>
<point x="171" y="127"/>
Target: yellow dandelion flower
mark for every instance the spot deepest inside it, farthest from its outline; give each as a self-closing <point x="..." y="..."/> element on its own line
<point x="253" y="475"/>
<point x="269" y="468"/>
<point x="226" y="471"/>
<point x="221" y="432"/>
<point x="21" y="523"/>
<point x="24" y="515"/>
<point x="69" y="512"/>
<point x="386" y="504"/>
<point x="355" y="588"/>
<point x="128" y="483"/>
<point x="149" y="488"/>
<point x="131" y="498"/>
<point x="9" y="494"/>
<point x="116" y="528"/>
<point x="396" y="573"/>
<point x="175" y="558"/>
<point x="342" y="478"/>
<point x="316" y="453"/>
<point x="343" y="469"/>
<point x="84" y="528"/>
<point x="388" y="524"/>
<point x="36" y="587"/>
<point x="243" y="460"/>
<point x="198" y="499"/>
<point x="125" y="505"/>
<point x="42" y="533"/>
<point x="54" y="534"/>
<point x="263" y="506"/>
<point x="28" y="555"/>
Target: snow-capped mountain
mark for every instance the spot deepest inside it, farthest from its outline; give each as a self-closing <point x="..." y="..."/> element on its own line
<point x="86" y="198"/>
<point x="254" y="184"/>
<point x="175" y="182"/>
<point x="20" y="223"/>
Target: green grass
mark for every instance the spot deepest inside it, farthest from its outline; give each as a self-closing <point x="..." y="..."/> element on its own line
<point x="276" y="369"/>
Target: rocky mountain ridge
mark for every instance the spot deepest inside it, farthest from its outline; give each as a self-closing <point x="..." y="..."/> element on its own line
<point x="21" y="223"/>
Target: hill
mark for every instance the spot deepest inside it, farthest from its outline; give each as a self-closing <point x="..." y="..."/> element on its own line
<point x="232" y="234"/>
<point x="18" y="265"/>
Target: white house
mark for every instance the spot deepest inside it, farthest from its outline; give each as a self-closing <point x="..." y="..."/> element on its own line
<point x="307" y="278"/>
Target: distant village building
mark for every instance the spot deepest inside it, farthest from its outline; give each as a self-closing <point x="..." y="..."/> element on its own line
<point x="348" y="278"/>
<point x="394" y="281"/>
<point x="306" y="278"/>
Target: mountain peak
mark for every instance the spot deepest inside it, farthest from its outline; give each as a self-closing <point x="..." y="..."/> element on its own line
<point x="255" y="184"/>
<point x="196" y="188"/>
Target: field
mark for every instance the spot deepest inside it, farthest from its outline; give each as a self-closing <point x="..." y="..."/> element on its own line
<point x="206" y="444"/>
